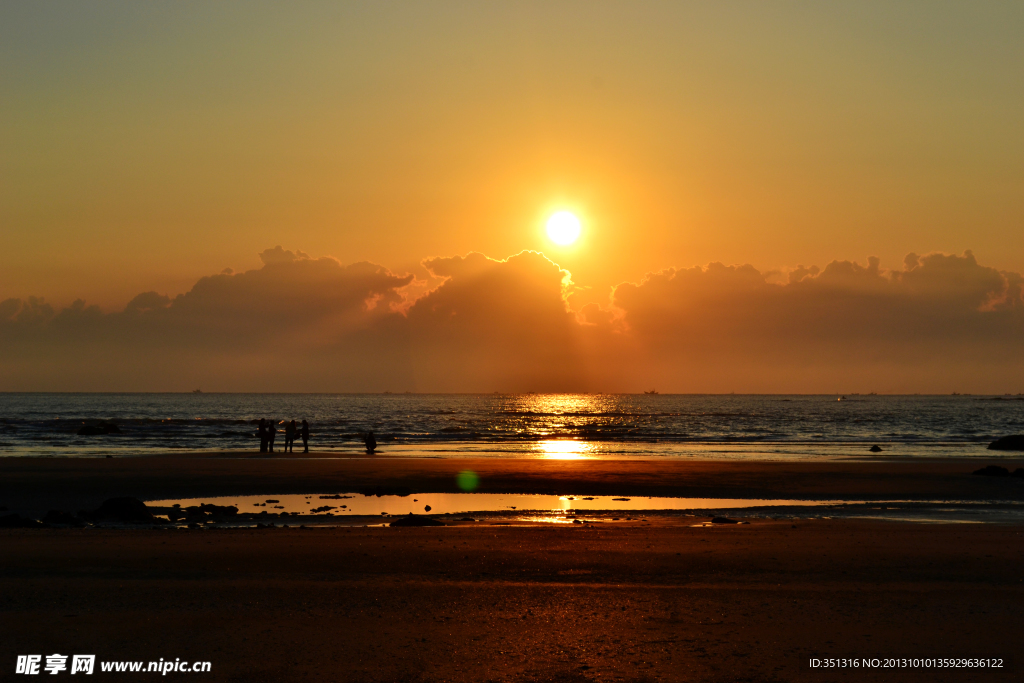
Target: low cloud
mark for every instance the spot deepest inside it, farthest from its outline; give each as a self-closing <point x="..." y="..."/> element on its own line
<point x="938" y="323"/>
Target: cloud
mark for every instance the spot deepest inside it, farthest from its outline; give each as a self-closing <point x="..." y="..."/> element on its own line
<point x="942" y="321"/>
<point x="938" y="323"/>
<point x="496" y="324"/>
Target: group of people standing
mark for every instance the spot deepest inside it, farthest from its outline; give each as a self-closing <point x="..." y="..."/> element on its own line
<point x="267" y="431"/>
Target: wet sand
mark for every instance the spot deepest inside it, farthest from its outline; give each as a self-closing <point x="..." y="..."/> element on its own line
<point x="657" y="601"/>
<point x="39" y="484"/>
<point x="505" y="603"/>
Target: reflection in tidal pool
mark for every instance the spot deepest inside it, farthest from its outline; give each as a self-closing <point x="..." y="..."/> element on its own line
<point x="342" y="505"/>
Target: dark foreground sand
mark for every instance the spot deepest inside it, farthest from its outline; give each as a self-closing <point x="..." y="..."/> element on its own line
<point x="663" y="601"/>
<point x="498" y="603"/>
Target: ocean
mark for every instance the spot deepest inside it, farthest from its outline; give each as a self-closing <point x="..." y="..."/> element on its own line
<point x="517" y="425"/>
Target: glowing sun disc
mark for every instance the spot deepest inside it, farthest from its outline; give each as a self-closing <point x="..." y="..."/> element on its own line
<point x="563" y="228"/>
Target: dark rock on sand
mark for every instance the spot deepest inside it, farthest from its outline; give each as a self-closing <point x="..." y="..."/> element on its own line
<point x="723" y="520"/>
<point x="993" y="471"/>
<point x="61" y="517"/>
<point x="416" y="520"/>
<point x="124" y="509"/>
<point x="16" y="521"/>
<point x="1014" y="442"/>
<point x="875" y="449"/>
<point x="219" y="510"/>
<point x="99" y="430"/>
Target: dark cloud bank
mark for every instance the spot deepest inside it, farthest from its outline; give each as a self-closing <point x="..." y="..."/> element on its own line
<point x="939" y="323"/>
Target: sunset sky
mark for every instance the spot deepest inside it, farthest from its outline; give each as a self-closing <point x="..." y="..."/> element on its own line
<point x="144" y="146"/>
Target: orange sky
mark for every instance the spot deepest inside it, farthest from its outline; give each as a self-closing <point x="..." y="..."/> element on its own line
<point x="143" y="147"/>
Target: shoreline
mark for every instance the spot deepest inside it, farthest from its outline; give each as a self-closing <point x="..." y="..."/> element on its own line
<point x="83" y="483"/>
<point x="594" y="449"/>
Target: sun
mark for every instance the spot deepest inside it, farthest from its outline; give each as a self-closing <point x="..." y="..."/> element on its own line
<point x="563" y="228"/>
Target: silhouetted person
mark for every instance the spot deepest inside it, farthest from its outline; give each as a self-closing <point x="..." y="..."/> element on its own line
<point x="371" y="443"/>
<point x="271" y="435"/>
<point x="304" y="433"/>
<point x="289" y="437"/>
<point x="262" y="431"/>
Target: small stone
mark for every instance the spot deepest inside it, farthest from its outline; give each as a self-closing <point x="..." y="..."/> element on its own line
<point x="993" y="471"/>
<point x="723" y="520"/>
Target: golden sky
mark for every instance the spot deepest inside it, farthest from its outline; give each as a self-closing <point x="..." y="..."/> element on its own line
<point x="144" y="146"/>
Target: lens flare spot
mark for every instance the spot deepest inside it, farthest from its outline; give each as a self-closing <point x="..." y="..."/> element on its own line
<point x="467" y="480"/>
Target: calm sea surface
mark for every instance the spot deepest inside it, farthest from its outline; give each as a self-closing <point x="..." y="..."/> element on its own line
<point x="565" y="425"/>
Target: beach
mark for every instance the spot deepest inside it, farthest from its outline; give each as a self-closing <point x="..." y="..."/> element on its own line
<point x="653" y="598"/>
<point x="41" y="484"/>
<point x="637" y="602"/>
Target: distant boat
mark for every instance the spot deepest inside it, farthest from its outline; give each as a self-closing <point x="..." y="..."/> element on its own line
<point x="196" y="391"/>
<point x="652" y="392"/>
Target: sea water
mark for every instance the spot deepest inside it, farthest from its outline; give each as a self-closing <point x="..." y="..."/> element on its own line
<point x="516" y="425"/>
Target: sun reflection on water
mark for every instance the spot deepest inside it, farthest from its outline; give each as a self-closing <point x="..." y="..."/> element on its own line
<point x="564" y="449"/>
<point x="561" y="415"/>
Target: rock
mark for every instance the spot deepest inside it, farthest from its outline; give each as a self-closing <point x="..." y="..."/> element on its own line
<point x="1014" y="442"/>
<point x="416" y="520"/>
<point x="467" y="519"/>
<point x="723" y="520"/>
<point x="875" y="449"/>
<point x="993" y="471"/>
<point x="271" y="500"/>
<point x="621" y="499"/>
<point x="16" y="521"/>
<point x="576" y="521"/>
<point x="219" y="510"/>
<point x="124" y="509"/>
<point x="426" y="508"/>
<point x="60" y="517"/>
<point x="99" y="430"/>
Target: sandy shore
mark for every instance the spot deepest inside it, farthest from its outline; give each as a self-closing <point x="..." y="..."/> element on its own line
<point x="484" y="603"/>
<point x="39" y="484"/>
<point x="625" y="601"/>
